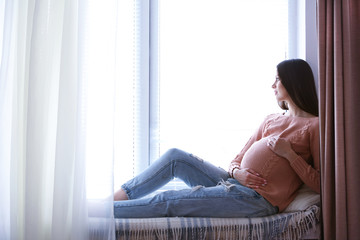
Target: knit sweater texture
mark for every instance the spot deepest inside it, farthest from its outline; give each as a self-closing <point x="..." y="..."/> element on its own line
<point x="284" y="178"/>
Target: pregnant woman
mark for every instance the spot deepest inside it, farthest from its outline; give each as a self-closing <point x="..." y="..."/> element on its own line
<point x="263" y="178"/>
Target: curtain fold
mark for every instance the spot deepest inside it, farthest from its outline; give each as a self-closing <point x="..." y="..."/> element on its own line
<point x="339" y="72"/>
<point x="44" y="109"/>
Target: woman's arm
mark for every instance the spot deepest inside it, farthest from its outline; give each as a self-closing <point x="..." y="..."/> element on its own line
<point x="247" y="176"/>
<point x="308" y="174"/>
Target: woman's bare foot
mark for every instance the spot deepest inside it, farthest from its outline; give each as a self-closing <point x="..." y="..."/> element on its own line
<point x="120" y="195"/>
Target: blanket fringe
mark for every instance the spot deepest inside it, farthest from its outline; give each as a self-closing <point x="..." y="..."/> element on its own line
<point x="281" y="226"/>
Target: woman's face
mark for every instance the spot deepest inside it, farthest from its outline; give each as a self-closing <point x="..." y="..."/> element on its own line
<point x="280" y="92"/>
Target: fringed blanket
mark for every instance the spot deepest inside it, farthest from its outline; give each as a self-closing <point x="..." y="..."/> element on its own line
<point x="292" y="225"/>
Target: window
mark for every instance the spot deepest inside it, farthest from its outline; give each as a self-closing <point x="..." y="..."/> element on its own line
<point x="216" y="67"/>
<point x="199" y="76"/>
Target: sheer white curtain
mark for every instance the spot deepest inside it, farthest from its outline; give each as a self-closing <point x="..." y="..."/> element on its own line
<point x="55" y="60"/>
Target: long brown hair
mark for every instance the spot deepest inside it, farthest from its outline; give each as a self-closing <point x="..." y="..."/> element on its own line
<point x="298" y="79"/>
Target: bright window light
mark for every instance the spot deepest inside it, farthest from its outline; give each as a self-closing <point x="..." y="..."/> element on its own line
<point x="217" y="64"/>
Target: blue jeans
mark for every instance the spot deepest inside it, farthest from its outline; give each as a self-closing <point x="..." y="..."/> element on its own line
<point x="213" y="193"/>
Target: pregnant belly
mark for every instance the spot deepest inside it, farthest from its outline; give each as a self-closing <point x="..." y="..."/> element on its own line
<point x="257" y="156"/>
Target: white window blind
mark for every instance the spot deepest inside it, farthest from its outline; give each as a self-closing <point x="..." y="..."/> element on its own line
<point x="136" y="89"/>
<point x="126" y="97"/>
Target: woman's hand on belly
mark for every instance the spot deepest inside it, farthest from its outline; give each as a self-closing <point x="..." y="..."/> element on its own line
<point x="281" y="147"/>
<point x="249" y="178"/>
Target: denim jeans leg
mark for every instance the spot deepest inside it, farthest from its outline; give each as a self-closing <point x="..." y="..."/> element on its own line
<point x="174" y="163"/>
<point x="229" y="199"/>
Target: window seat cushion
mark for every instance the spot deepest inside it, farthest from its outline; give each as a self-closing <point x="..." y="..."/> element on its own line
<point x="304" y="199"/>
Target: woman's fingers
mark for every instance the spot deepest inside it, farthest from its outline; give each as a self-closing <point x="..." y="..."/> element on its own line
<point x="252" y="171"/>
<point x="272" y="141"/>
<point x="249" y="178"/>
<point x="254" y="180"/>
<point x="279" y="146"/>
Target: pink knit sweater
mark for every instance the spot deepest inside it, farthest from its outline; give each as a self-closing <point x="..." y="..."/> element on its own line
<point x="283" y="178"/>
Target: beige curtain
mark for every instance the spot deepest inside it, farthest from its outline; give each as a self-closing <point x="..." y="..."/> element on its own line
<point x="339" y="70"/>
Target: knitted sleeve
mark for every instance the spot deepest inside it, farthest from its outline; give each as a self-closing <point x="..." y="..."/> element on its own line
<point x="310" y="174"/>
